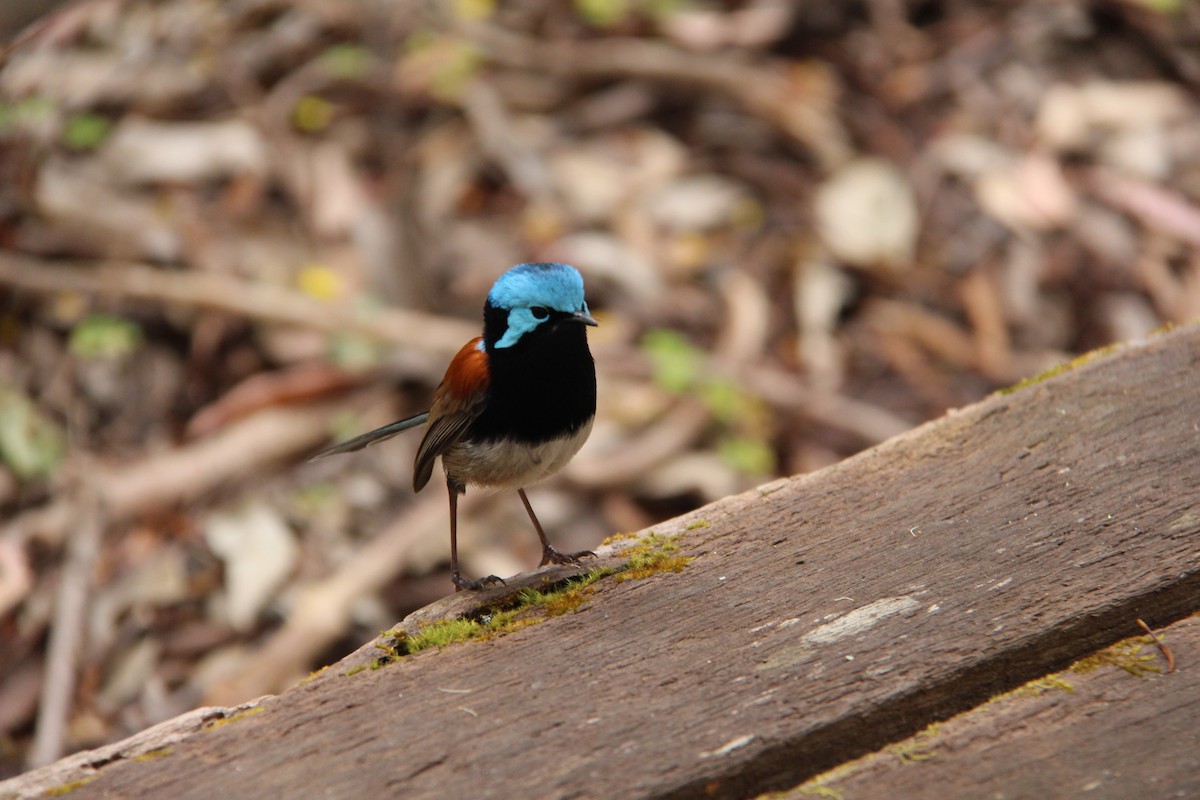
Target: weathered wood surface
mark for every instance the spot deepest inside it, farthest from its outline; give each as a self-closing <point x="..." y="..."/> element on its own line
<point x="1112" y="726"/>
<point x="822" y="618"/>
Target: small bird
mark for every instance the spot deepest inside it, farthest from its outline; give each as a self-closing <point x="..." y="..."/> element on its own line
<point x="515" y="405"/>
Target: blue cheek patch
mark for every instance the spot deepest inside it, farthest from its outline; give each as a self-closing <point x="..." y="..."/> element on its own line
<point x="520" y="322"/>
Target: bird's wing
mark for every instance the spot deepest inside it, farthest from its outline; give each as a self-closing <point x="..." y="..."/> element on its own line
<point x="371" y="437"/>
<point x="457" y="402"/>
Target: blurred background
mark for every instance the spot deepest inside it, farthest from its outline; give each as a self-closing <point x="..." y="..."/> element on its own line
<point x="234" y="232"/>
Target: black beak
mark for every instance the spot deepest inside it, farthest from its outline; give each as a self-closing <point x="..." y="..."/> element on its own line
<point x="584" y="317"/>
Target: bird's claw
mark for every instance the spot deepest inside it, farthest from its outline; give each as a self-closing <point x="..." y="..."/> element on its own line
<point x="552" y="556"/>
<point x="461" y="583"/>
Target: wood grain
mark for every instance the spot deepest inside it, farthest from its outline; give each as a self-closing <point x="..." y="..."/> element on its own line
<point x="821" y="618"/>
<point x="1113" y="727"/>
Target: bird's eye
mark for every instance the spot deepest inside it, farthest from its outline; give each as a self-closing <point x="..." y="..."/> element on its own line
<point x="539" y="312"/>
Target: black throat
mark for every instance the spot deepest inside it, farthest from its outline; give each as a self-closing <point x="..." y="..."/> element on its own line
<point x="541" y="388"/>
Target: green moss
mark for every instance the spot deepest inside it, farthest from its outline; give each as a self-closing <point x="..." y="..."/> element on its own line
<point x="448" y="631"/>
<point x="918" y="747"/>
<point x="819" y="785"/>
<point x="237" y="716"/>
<point x="1059" y="369"/>
<point x="67" y="788"/>
<point x="531" y="606"/>
<point x="655" y="554"/>
<point x="567" y="597"/>
<point x="150" y="755"/>
<point x="1033" y="688"/>
<point x="392" y="646"/>
<point x="312" y="676"/>
<point x="1039" y="686"/>
<point x="698" y="525"/>
<point x="618" y="537"/>
<point x="1126" y="654"/>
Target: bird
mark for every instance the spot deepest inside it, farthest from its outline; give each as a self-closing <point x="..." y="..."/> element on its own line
<point x="515" y="404"/>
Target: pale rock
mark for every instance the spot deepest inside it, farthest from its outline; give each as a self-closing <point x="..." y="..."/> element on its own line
<point x="259" y="551"/>
<point x="142" y="151"/>
<point x="867" y="214"/>
<point x="696" y="203"/>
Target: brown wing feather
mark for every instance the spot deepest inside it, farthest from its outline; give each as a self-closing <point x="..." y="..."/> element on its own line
<point x="456" y="403"/>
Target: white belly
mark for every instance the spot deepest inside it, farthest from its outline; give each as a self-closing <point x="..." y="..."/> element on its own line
<point x="511" y="465"/>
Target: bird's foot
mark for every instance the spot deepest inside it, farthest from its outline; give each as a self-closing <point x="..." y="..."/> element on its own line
<point x="461" y="583"/>
<point x="552" y="556"/>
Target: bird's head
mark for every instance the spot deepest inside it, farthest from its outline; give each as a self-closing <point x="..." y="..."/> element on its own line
<point x="533" y="298"/>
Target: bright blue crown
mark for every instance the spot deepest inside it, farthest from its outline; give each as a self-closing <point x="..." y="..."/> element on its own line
<point x="557" y="287"/>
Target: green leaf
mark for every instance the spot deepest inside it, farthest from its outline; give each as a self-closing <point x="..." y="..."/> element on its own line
<point x="747" y="455"/>
<point x="725" y="399"/>
<point x="442" y="65"/>
<point x="312" y="499"/>
<point x="30" y="442"/>
<point x="354" y="352"/>
<point x="86" y="131"/>
<point x="104" y="336"/>
<point x="603" y="13"/>
<point x="312" y="114"/>
<point x="1165" y="7"/>
<point x="348" y="61"/>
<point x="472" y="10"/>
<point x="677" y="362"/>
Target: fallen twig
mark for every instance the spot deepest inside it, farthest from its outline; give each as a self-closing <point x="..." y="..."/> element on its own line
<point x="259" y="302"/>
<point x="668" y="436"/>
<point x="185" y="473"/>
<point x="67" y="630"/>
<point x="1162" y="646"/>
<point x="16" y="578"/>
<point x="764" y="89"/>
<point x="1156" y="206"/>
<point x="303" y="382"/>
<point x="493" y="125"/>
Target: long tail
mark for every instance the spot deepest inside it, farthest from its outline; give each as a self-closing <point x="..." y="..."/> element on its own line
<point x="371" y="437"/>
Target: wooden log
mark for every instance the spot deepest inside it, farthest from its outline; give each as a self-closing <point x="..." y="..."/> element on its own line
<point x="819" y="619"/>
<point x="1111" y="727"/>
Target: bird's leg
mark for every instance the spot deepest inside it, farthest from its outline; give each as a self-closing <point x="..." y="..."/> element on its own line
<point x="460" y="582"/>
<point x="549" y="554"/>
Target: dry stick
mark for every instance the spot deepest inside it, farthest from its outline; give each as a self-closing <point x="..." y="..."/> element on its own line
<point x="1160" y="209"/>
<point x="260" y="302"/>
<point x="276" y="305"/>
<point x="493" y="125"/>
<point x="743" y="338"/>
<point x="66" y="632"/>
<point x="670" y="435"/>
<point x="764" y="88"/>
<point x="16" y="578"/>
<point x="187" y="472"/>
<point x="868" y="422"/>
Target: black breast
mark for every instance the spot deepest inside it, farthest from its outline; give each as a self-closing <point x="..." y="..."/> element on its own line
<point x="541" y="388"/>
